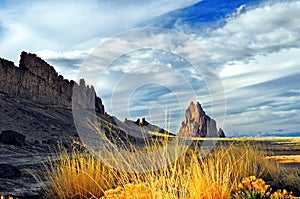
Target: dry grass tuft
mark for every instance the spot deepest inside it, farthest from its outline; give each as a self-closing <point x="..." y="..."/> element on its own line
<point x="77" y="175"/>
<point x="216" y="175"/>
<point x="135" y="191"/>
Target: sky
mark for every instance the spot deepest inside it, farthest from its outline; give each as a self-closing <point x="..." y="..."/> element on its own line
<point x="239" y="59"/>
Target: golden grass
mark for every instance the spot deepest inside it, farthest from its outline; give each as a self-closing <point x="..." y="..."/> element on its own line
<point x="191" y="176"/>
<point x="9" y="197"/>
<point x="77" y="175"/>
<point x="135" y="191"/>
<point x="161" y="170"/>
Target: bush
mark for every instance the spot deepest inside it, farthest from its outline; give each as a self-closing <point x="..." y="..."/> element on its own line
<point x="256" y="188"/>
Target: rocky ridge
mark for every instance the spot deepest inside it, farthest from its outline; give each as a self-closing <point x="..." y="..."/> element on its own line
<point x="37" y="81"/>
<point x="198" y="124"/>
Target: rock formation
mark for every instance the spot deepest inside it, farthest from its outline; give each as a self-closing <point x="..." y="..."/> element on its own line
<point x="198" y="124"/>
<point x="37" y="81"/>
<point x="142" y="122"/>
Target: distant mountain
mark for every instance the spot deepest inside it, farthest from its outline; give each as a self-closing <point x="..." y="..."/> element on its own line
<point x="198" y="124"/>
<point x="270" y="134"/>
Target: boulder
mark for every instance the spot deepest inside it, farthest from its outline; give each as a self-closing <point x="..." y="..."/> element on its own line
<point x="9" y="171"/>
<point x="11" y="137"/>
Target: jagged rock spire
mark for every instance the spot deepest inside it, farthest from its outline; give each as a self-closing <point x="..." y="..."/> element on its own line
<point x="197" y="124"/>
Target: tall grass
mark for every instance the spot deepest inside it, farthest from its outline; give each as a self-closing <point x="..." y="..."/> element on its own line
<point x="77" y="175"/>
<point x="190" y="176"/>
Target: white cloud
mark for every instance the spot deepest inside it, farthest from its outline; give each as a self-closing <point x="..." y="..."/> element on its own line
<point x="74" y="54"/>
<point x="265" y="29"/>
<point x="66" y="25"/>
<point x="260" y="68"/>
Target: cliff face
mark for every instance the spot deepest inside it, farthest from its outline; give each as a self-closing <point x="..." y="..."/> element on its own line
<point x="198" y="124"/>
<point x="37" y="81"/>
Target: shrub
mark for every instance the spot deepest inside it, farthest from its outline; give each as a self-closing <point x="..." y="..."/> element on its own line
<point x="256" y="188"/>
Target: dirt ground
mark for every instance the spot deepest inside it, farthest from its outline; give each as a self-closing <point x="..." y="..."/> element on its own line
<point x="286" y="153"/>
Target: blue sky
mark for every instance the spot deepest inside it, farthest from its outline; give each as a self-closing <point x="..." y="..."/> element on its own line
<point x="252" y="46"/>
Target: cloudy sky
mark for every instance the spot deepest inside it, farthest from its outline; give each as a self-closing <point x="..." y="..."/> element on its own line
<point x="240" y="59"/>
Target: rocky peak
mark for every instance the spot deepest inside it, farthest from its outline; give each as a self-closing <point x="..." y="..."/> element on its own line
<point x="37" y="81"/>
<point x="35" y="65"/>
<point x="197" y="124"/>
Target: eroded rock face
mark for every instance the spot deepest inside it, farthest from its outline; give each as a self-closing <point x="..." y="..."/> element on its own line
<point x="198" y="124"/>
<point x="37" y="81"/>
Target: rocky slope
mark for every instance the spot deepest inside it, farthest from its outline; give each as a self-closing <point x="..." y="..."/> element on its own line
<point x="198" y="124"/>
<point x="36" y="115"/>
